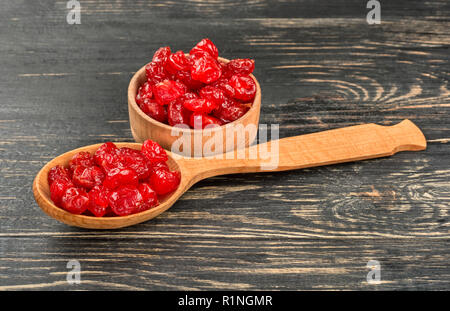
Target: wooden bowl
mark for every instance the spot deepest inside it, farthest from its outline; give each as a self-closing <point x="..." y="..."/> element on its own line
<point x="144" y="127"/>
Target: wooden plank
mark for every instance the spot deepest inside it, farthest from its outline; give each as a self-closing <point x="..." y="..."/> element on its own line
<point x="320" y="67"/>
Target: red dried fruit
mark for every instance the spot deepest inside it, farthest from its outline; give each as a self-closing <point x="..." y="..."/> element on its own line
<point x="205" y="46"/>
<point x="177" y="114"/>
<point x="154" y="152"/>
<point x="155" y="73"/>
<point x="82" y="158"/>
<point x="212" y="93"/>
<point x="185" y="77"/>
<point x="164" y="181"/>
<point x="58" y="172"/>
<point x="161" y="55"/>
<point x="58" y="188"/>
<point x="188" y="96"/>
<point x="177" y="62"/>
<point x="118" y="193"/>
<point x="98" y="201"/>
<point x="224" y="85"/>
<point x="75" y="200"/>
<point x="205" y="69"/>
<point x="125" y="200"/>
<point x="244" y="87"/>
<point x="174" y="74"/>
<point x="168" y="91"/>
<point x="200" y="105"/>
<point x="135" y="160"/>
<point x="230" y="110"/>
<point x="144" y="93"/>
<point x="88" y="177"/>
<point x="149" y="196"/>
<point x="151" y="108"/>
<point x="120" y="176"/>
<point x="242" y="67"/>
<point x="199" y="120"/>
<point x="159" y="165"/>
<point x="110" y="162"/>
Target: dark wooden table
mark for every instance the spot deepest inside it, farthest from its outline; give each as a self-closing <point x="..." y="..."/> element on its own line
<point x="320" y="65"/>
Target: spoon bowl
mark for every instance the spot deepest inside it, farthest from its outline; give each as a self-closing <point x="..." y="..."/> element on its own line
<point x="41" y="192"/>
<point x="346" y="144"/>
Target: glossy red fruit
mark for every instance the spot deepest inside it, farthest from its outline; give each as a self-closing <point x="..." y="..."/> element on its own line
<point x="212" y="93"/>
<point x="160" y="165"/>
<point x="120" y="176"/>
<point x="177" y="62"/>
<point x="145" y="92"/>
<point x="230" y="110"/>
<point x="168" y="91"/>
<point x="161" y="55"/>
<point x="58" y="188"/>
<point x="242" y="67"/>
<point x="135" y="160"/>
<point x="154" y="152"/>
<point x="224" y="85"/>
<point x="111" y="162"/>
<point x="149" y="196"/>
<point x="185" y="77"/>
<point x="75" y="200"/>
<point x="205" y="69"/>
<point x="155" y="73"/>
<point x="244" y="87"/>
<point x="125" y="200"/>
<point x="200" y="105"/>
<point x="82" y="158"/>
<point x="98" y="201"/>
<point x="177" y="114"/>
<point x="205" y="46"/>
<point x="164" y="181"/>
<point x="187" y="96"/>
<point x="224" y="69"/>
<point x="58" y="172"/>
<point x="103" y="152"/>
<point x="88" y="177"/>
<point x="200" y="121"/>
<point x="154" y="110"/>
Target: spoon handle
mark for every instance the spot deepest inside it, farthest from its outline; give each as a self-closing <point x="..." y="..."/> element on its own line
<point x="346" y="144"/>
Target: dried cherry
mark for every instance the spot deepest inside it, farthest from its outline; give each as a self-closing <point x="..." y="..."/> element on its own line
<point x="114" y="181"/>
<point x="205" y="69"/>
<point x="151" y="108"/>
<point x="125" y="200"/>
<point x="164" y="181"/>
<point x="154" y="152"/>
<point x="244" y="87"/>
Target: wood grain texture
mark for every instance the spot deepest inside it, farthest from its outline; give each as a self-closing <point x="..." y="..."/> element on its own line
<point x="320" y="67"/>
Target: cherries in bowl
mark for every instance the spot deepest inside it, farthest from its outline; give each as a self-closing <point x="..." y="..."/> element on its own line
<point x="191" y="91"/>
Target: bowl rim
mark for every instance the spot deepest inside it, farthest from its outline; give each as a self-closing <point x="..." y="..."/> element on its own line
<point x="134" y="105"/>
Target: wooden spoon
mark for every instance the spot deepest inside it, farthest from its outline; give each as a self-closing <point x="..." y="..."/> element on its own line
<point x="347" y="144"/>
